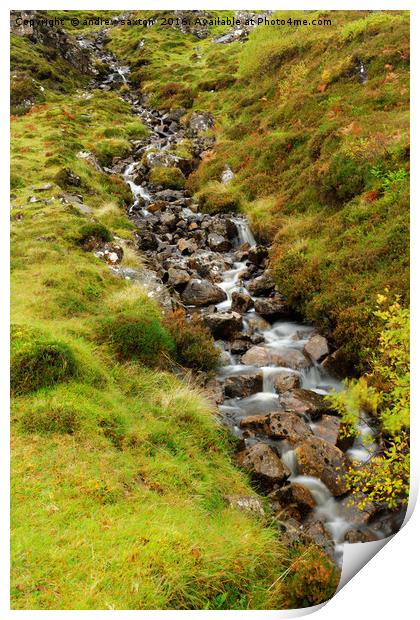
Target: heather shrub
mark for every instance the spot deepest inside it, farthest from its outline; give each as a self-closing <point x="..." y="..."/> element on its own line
<point x="194" y="342"/>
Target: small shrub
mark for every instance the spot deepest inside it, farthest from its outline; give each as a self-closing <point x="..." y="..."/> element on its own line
<point x="93" y="233"/>
<point x="194" y="342"/>
<point x="170" y="178"/>
<point x="136" y="336"/>
<point x="312" y="578"/>
<point x="37" y="361"/>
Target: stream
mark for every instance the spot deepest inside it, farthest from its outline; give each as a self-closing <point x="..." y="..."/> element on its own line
<point x="269" y="388"/>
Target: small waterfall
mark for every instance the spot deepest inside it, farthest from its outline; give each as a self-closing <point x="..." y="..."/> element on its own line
<point x="244" y="232"/>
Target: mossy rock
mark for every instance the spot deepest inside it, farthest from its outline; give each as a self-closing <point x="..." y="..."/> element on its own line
<point x="169" y="178"/>
<point x="38" y="361"/>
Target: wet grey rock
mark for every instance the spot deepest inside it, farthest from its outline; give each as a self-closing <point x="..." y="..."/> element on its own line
<point x="352" y="512"/>
<point x="318" y="534"/>
<point x="202" y="293"/>
<point x="293" y="499"/>
<point x="258" y="255"/>
<point x="169" y="220"/>
<point x="305" y="402"/>
<point x="360" y="535"/>
<point x="223" y="325"/>
<point x="286" y="381"/>
<point x="178" y="277"/>
<point x="316" y="348"/>
<point x="272" y="307"/>
<point x="169" y="195"/>
<point x="217" y="243"/>
<point x="262" y="285"/>
<point x="278" y="425"/>
<point x="147" y="240"/>
<point x="263" y="464"/>
<point x="241" y="302"/>
<point x="186" y="246"/>
<point x="242" y="386"/>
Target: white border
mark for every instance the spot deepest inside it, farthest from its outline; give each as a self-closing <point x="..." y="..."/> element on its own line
<point x="385" y="587"/>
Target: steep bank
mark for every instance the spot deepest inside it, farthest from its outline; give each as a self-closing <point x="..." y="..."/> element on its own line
<point x="119" y="470"/>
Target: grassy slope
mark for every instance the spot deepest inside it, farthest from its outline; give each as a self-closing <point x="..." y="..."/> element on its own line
<point x="118" y="473"/>
<point x="321" y="160"/>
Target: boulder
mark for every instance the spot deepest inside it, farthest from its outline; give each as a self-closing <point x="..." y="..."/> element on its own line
<point x="286" y="381"/>
<point x="241" y="302"/>
<point x="202" y="293"/>
<point x="305" y="402"/>
<point x="294" y="499"/>
<point x="316" y="457"/>
<point x="316" y="348"/>
<point x="328" y="428"/>
<point x="290" y="426"/>
<point x="257" y="255"/>
<point x="265" y="356"/>
<point x="263" y="464"/>
<point x="169" y="195"/>
<point x="278" y="425"/>
<point x="186" y="246"/>
<point x="223" y="325"/>
<point x="217" y="243"/>
<point x="178" y="277"/>
<point x="256" y="322"/>
<point x="262" y="285"/>
<point x="272" y="307"/>
<point x="169" y="220"/>
<point x="147" y="240"/>
<point x="242" y="386"/>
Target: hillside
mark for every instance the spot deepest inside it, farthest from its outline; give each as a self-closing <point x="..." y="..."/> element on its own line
<point x="127" y="492"/>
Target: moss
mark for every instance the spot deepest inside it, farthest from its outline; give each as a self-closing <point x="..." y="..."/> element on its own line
<point x="170" y="177"/>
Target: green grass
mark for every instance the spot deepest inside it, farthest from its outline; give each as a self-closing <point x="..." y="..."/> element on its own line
<point x="118" y="470"/>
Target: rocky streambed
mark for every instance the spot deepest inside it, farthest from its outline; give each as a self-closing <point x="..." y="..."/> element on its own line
<point x="275" y="370"/>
